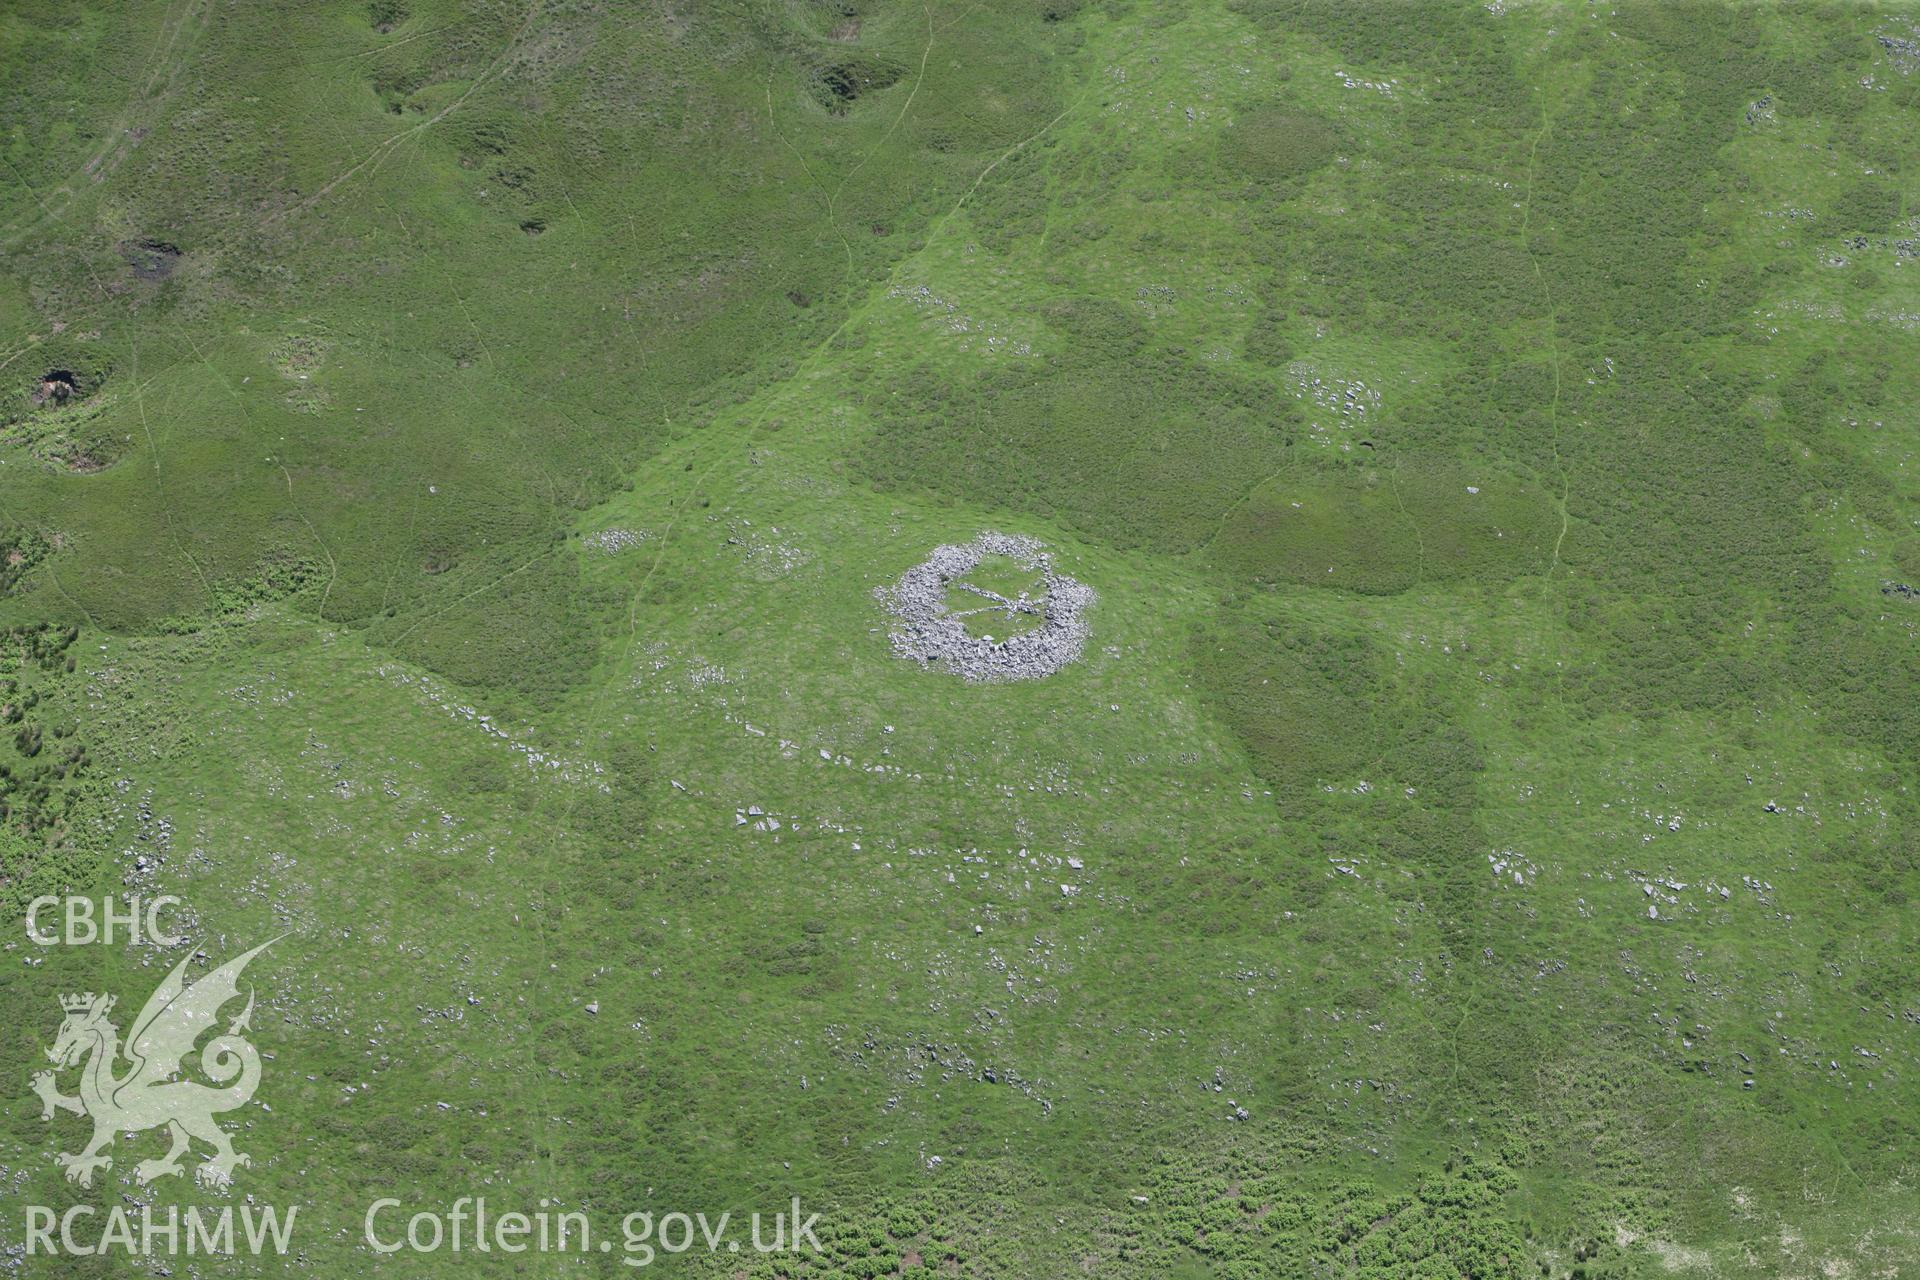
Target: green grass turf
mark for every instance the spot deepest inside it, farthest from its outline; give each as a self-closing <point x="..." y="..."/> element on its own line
<point x="1489" y="430"/>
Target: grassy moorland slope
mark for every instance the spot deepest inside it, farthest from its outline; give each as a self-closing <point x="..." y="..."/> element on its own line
<point x="450" y="453"/>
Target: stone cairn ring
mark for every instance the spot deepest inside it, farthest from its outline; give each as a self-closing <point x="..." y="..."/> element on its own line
<point x="941" y="615"/>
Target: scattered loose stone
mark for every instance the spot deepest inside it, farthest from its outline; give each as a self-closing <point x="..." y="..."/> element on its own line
<point x="615" y="540"/>
<point x="927" y="632"/>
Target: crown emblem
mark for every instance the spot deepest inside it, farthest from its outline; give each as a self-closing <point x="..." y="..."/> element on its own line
<point x="83" y="1002"/>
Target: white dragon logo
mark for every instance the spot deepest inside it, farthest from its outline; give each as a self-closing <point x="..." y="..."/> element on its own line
<point x="148" y="1095"/>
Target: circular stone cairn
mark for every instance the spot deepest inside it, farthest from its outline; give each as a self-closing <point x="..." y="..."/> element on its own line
<point x="927" y="631"/>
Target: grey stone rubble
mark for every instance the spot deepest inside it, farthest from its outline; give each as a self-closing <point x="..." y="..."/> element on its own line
<point x="1904" y="53"/>
<point x="927" y="632"/>
<point x="615" y="540"/>
<point x="589" y="771"/>
<point x="1903" y="249"/>
<point x="923" y="297"/>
